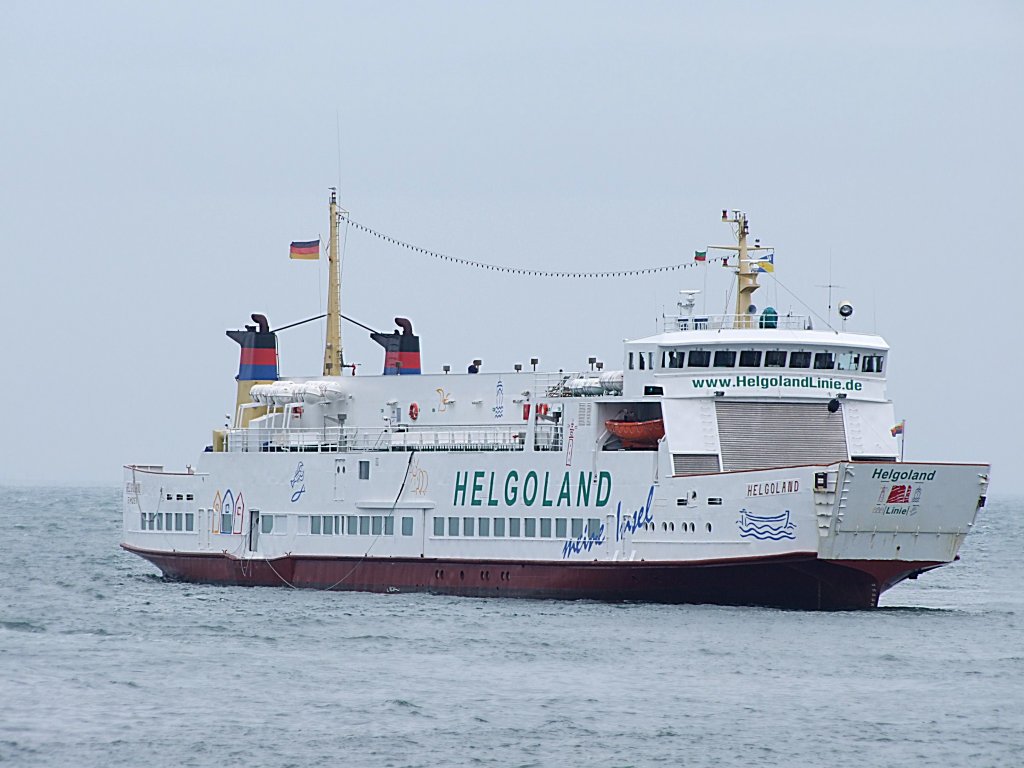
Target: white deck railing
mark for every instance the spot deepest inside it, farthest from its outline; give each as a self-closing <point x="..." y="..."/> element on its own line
<point x="699" y="322"/>
<point x="498" y="437"/>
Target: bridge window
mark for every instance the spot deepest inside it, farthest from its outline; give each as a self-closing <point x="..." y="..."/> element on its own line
<point x="750" y="358"/>
<point x="352" y="524"/>
<point x="513" y="527"/>
<point x="364" y="470"/>
<point x="594" y="528"/>
<point x="389" y="526"/>
<point x="453" y="526"/>
<point x="499" y="526"/>
<point x="438" y="526"/>
<point x="824" y="361"/>
<point x="560" y="527"/>
<point x="467" y="526"/>
<point x="314" y="523"/>
<point x="407" y="526"/>
<point x="725" y="358"/>
<point x="775" y="358"/>
<point x="545" y="527"/>
<point x="699" y="358"/>
<point x="530" y="527"/>
<point x="631" y="361"/>
<point x="800" y="360"/>
<point x="376" y="525"/>
<point x="483" y="526"/>
<point x="577" y="527"/>
<point x="871" y="363"/>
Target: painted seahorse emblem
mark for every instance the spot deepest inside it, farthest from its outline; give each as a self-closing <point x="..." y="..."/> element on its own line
<point x="445" y="401"/>
<point x="298" y="482"/>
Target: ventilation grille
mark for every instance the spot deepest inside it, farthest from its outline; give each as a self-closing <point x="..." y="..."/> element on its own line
<point x="583" y="416"/>
<point x="764" y="435"/>
<point x="694" y="464"/>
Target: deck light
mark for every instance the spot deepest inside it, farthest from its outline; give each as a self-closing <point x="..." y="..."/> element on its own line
<point x="533" y="362"/>
<point x="518" y="367"/>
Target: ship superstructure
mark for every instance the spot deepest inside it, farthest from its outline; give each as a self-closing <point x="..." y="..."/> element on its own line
<point x="737" y="459"/>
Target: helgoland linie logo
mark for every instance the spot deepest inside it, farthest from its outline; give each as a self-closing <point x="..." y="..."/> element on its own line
<point x="899" y="499"/>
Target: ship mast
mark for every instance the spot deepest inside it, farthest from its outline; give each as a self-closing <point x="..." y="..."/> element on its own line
<point x="333" y="359"/>
<point x="746" y="277"/>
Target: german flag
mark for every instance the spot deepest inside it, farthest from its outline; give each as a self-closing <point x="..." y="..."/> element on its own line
<point x="306" y="249"/>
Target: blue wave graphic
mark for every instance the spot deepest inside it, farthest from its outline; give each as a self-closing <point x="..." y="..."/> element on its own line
<point x="766" y="528"/>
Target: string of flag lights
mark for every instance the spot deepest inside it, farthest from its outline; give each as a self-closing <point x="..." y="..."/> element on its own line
<point x="700" y="258"/>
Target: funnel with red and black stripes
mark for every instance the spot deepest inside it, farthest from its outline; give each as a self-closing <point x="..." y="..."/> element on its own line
<point x="401" y="349"/>
<point x="258" y="359"/>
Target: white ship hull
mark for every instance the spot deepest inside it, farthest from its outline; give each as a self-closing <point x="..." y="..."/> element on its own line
<point x="768" y="537"/>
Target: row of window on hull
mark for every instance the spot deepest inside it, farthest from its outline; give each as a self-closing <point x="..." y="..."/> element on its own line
<point x="354" y="525"/>
<point x="515" y="527"/>
<point x="756" y="358"/>
<point x="167" y="521"/>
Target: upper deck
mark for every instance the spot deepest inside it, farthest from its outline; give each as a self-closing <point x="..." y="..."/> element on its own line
<point x="717" y="329"/>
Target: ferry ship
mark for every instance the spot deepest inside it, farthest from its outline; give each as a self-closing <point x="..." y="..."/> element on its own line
<point x="744" y="459"/>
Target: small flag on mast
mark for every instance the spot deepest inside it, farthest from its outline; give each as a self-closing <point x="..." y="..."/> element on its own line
<point x="767" y="264"/>
<point x="700" y="255"/>
<point x="897" y="429"/>
<point x="305" y="249"/>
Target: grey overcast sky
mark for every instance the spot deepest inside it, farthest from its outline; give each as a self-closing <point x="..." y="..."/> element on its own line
<point x="156" y="159"/>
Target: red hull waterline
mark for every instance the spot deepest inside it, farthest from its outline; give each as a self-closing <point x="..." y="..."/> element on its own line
<point x="791" y="581"/>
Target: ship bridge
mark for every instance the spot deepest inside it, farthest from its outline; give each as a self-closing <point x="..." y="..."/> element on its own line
<point x="736" y="395"/>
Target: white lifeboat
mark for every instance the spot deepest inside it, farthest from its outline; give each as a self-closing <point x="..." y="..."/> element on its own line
<point x="313" y="392"/>
<point x="278" y="393"/>
<point x="611" y="381"/>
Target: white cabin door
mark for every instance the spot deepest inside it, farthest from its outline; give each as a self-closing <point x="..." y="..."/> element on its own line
<point x="204" y="519"/>
<point x="254" y="529"/>
<point x="339" y="479"/>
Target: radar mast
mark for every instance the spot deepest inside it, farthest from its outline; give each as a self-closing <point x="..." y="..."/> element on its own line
<point x="746" y="277"/>
<point x="333" y="358"/>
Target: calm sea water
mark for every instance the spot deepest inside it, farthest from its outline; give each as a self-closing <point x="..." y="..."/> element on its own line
<point x="102" y="663"/>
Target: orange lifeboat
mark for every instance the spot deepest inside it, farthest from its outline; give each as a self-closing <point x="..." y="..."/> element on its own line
<point x="637" y="434"/>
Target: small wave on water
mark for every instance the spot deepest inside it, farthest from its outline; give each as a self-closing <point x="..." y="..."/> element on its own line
<point x="21" y="626"/>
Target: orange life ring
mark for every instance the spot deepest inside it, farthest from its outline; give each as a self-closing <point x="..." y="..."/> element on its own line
<point x="414" y="411"/>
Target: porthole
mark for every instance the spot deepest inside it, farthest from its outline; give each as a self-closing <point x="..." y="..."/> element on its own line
<point x="672" y="526"/>
<point x="693" y="527"/>
<point x="708" y="526"/>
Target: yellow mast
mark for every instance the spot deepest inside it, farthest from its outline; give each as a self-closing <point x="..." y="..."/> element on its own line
<point x="746" y="277"/>
<point x="333" y="359"/>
